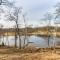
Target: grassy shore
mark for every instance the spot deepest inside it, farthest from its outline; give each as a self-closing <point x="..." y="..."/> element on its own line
<point x="38" y="33"/>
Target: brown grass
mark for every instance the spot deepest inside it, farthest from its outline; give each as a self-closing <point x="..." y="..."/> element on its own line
<point x="29" y="53"/>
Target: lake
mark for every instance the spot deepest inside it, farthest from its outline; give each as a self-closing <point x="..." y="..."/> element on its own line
<point x="36" y="41"/>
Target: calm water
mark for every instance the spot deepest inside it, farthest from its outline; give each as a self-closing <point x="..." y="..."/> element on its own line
<point x="33" y="41"/>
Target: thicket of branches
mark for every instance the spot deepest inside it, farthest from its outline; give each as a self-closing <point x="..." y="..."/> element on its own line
<point x="12" y="13"/>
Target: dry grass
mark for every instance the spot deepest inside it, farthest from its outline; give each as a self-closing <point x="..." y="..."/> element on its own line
<point x="29" y="54"/>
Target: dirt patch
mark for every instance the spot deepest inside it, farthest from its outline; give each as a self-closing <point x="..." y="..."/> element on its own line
<point x="29" y="54"/>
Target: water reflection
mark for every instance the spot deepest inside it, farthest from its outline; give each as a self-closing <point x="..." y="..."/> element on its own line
<point x="33" y="41"/>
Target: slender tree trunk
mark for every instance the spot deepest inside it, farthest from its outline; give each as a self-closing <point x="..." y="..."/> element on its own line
<point x="24" y="37"/>
<point x="19" y="41"/>
<point x="3" y="40"/>
<point x="24" y="41"/>
<point x="16" y="33"/>
<point x="15" y="39"/>
<point x="48" y="41"/>
<point x="48" y="36"/>
<point x="7" y="38"/>
<point x="19" y="34"/>
<point x="25" y="31"/>
<point x="49" y="33"/>
<point x="27" y="37"/>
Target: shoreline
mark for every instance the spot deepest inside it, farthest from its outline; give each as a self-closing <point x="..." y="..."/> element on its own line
<point x="42" y="34"/>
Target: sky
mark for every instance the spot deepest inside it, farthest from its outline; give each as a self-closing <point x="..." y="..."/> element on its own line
<point x="35" y="10"/>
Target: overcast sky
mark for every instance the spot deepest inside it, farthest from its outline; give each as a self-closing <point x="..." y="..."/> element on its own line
<point x="35" y="9"/>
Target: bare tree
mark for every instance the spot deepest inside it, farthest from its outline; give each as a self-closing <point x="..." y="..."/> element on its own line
<point x="1" y="27"/>
<point x="57" y="12"/>
<point x="15" y="17"/>
<point x="25" y="30"/>
<point x="48" y="17"/>
<point x="57" y="16"/>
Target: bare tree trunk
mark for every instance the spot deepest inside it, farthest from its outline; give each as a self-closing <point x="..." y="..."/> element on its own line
<point x="15" y="40"/>
<point x="24" y="37"/>
<point x="25" y="31"/>
<point x="27" y="37"/>
<point x="19" y="34"/>
<point x="49" y="32"/>
<point x="7" y="38"/>
<point x="49" y="35"/>
<point x="19" y="41"/>
<point x="16" y="33"/>
<point x="24" y="41"/>
<point x="3" y="40"/>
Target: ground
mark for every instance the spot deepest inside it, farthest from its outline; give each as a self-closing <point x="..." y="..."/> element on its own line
<point x="29" y="54"/>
